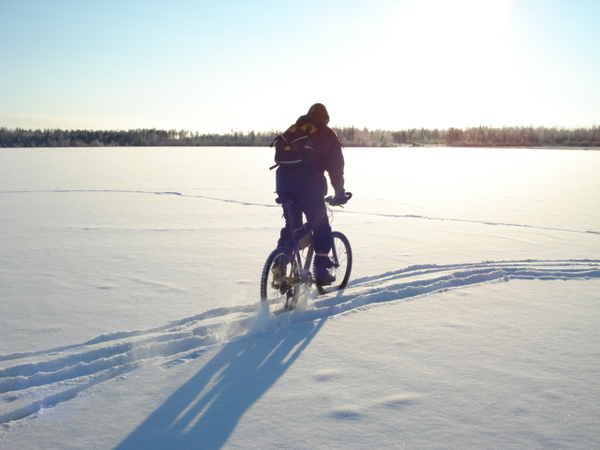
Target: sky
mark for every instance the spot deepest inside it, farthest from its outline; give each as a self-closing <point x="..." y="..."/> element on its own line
<point x="217" y="66"/>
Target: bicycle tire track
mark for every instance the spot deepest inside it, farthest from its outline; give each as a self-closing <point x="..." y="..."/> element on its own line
<point x="30" y="381"/>
<point x="273" y="205"/>
<point x="42" y="379"/>
<point x="416" y="281"/>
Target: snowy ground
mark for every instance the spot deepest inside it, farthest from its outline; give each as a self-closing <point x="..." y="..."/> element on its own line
<point x="130" y="315"/>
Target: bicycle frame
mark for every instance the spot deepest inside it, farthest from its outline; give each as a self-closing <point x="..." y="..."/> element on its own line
<point x="296" y="234"/>
<point x="287" y="274"/>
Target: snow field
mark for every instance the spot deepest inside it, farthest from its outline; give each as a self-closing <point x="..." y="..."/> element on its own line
<point x="130" y="314"/>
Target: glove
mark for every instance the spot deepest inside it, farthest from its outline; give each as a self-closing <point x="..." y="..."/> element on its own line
<point x="341" y="198"/>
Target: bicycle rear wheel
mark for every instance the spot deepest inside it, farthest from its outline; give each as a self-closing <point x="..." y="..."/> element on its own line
<point x="341" y="255"/>
<point x="278" y="280"/>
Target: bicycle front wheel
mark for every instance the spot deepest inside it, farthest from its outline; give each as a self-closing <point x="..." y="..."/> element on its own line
<point x="341" y="255"/>
<point x="278" y="280"/>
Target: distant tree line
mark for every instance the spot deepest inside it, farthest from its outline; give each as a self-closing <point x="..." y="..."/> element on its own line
<point x="473" y="137"/>
<point x="349" y="136"/>
<point x="132" y="138"/>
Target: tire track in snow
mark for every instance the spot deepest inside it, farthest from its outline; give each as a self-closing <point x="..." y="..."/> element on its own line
<point x="31" y="381"/>
<point x="419" y="280"/>
<point x="273" y="205"/>
<point x="127" y="191"/>
<point x="42" y="379"/>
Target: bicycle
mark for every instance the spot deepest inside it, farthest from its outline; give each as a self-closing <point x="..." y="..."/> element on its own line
<point x="287" y="272"/>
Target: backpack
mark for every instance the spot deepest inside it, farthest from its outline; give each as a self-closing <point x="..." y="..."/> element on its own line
<point x="295" y="146"/>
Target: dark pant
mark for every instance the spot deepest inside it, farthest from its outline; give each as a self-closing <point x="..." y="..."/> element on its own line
<point x="316" y="217"/>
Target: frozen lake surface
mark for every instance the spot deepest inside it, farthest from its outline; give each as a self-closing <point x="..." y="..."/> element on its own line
<point x="129" y="282"/>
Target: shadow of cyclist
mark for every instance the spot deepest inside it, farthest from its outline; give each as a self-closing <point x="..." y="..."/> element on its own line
<point x="204" y="411"/>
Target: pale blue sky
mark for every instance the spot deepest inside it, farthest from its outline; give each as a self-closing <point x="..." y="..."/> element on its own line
<point x="216" y="66"/>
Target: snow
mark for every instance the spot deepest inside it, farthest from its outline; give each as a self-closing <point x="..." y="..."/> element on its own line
<point x="129" y="283"/>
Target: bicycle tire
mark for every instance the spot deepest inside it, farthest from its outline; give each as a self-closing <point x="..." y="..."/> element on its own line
<point x="277" y="290"/>
<point x="341" y="255"/>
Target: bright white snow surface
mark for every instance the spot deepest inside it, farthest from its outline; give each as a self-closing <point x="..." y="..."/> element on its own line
<point x="130" y="315"/>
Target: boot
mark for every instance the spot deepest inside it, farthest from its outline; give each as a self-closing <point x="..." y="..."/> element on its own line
<point x="323" y="275"/>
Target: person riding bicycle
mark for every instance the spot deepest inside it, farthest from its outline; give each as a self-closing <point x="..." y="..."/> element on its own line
<point x="306" y="186"/>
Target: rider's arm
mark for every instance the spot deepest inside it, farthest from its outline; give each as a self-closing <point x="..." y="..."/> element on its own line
<point x="334" y="162"/>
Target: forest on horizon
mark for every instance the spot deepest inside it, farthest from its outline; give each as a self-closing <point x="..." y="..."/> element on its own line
<point x="349" y="136"/>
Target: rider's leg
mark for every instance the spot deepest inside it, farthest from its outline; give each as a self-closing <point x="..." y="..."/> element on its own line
<point x="285" y="235"/>
<point x="316" y="214"/>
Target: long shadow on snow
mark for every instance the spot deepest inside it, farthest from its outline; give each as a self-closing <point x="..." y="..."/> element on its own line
<point x="205" y="410"/>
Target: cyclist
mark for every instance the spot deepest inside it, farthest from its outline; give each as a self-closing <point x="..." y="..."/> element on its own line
<point x="306" y="186"/>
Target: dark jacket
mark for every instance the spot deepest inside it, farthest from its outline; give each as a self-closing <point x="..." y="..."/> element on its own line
<point x="309" y="179"/>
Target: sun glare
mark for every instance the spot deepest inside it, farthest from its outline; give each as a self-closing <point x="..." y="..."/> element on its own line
<point x="437" y="60"/>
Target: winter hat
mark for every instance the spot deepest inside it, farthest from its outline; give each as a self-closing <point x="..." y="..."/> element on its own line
<point x="319" y="112"/>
